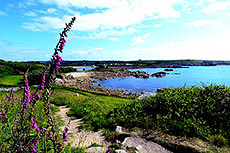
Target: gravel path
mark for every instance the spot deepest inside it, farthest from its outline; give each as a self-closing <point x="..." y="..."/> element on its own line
<point x="79" y="138"/>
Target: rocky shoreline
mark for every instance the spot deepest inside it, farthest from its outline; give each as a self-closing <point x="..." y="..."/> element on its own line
<point x="85" y="81"/>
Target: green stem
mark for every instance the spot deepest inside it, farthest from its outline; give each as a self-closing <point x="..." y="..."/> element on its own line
<point x="45" y="148"/>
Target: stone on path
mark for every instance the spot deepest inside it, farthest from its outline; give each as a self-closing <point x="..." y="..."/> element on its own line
<point x="96" y="150"/>
<point x="143" y="146"/>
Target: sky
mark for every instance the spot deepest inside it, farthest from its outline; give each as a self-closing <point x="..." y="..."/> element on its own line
<point x="116" y="29"/>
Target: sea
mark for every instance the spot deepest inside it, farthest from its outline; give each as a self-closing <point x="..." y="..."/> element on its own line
<point x="179" y="77"/>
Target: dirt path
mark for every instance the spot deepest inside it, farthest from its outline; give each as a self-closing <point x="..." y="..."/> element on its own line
<point x="79" y="138"/>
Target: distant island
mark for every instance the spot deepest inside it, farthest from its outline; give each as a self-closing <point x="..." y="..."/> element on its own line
<point x="144" y="63"/>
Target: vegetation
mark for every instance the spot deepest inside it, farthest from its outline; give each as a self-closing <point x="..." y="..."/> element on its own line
<point x="193" y="112"/>
<point x="8" y="67"/>
<point x="26" y="120"/>
<point x="91" y="107"/>
<point x="11" y="80"/>
<point x="196" y="112"/>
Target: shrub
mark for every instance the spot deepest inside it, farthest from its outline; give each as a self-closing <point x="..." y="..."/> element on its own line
<point x="193" y="112"/>
<point x="218" y="140"/>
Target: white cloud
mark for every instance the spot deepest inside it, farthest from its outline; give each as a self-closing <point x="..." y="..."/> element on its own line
<point x="48" y="11"/>
<point x="116" y="13"/>
<point x="217" y="6"/>
<point x="27" y="3"/>
<point x="158" y="25"/>
<point x="199" y="23"/>
<point x="227" y="14"/>
<point x="3" y="13"/>
<point x="44" y="24"/>
<point x="82" y="53"/>
<point x="32" y="14"/>
<point x="139" y="39"/>
<point x="18" y="53"/>
<point x="112" y="32"/>
<point x="214" y="47"/>
<point x="51" y="10"/>
<point x="114" y="39"/>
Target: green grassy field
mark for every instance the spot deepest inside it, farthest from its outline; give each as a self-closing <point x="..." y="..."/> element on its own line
<point x="11" y="80"/>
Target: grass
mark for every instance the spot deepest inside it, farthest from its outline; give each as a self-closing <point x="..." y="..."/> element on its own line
<point x="11" y="80"/>
<point x="91" y="107"/>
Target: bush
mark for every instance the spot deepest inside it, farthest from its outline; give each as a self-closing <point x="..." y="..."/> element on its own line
<point x="218" y="140"/>
<point x="194" y="112"/>
<point x="35" y="77"/>
<point x="5" y="70"/>
<point x="66" y="69"/>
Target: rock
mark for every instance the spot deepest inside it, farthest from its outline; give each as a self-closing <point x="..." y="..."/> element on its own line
<point x="120" y="151"/>
<point x="99" y="85"/>
<point x="96" y="150"/>
<point x="118" y="129"/>
<point x="159" y="74"/>
<point x="9" y="89"/>
<point x="140" y="74"/>
<point x="77" y="94"/>
<point x="168" y="70"/>
<point x="143" y="146"/>
<point x="145" y="94"/>
<point x="161" y="89"/>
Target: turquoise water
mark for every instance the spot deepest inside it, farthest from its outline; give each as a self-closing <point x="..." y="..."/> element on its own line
<point x="192" y="76"/>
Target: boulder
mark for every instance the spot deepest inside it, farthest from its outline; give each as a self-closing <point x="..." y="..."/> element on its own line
<point x="143" y="146"/>
<point x="119" y="129"/>
<point x="96" y="150"/>
<point x="120" y="151"/>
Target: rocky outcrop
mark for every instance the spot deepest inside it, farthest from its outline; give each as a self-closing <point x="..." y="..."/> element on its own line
<point x="168" y="70"/>
<point x="159" y="74"/>
<point x="84" y="82"/>
<point x="140" y="74"/>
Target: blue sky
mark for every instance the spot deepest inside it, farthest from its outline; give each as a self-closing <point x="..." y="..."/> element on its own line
<point x="116" y="29"/>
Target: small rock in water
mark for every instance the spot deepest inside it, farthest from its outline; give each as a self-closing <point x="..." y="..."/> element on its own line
<point x="118" y="129"/>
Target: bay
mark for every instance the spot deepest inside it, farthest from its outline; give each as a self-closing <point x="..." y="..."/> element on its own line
<point x="192" y="76"/>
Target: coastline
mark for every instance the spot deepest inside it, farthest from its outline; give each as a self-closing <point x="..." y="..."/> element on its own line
<point x="84" y="81"/>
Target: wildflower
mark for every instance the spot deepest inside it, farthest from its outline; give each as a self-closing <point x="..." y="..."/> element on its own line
<point x="12" y="93"/>
<point x="65" y="134"/>
<point x="36" y="127"/>
<point x="43" y="81"/>
<point x="32" y="120"/>
<point x="39" y="97"/>
<point x="66" y="141"/>
<point x="58" y="62"/>
<point x="34" y="148"/>
<point x="26" y="98"/>
<point x="50" y="134"/>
